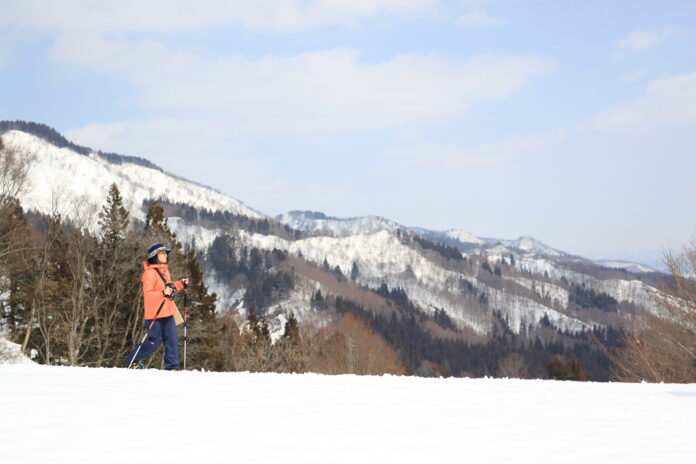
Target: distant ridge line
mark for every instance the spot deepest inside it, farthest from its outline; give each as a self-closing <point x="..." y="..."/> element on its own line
<point x="54" y="137"/>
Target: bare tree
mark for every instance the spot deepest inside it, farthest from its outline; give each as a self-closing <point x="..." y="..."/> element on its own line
<point x="14" y="169"/>
<point x="662" y="347"/>
<point x="350" y="347"/>
<point x="513" y="366"/>
<point x="14" y="237"/>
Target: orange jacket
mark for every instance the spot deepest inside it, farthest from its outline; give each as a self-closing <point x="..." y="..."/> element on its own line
<point x="153" y="291"/>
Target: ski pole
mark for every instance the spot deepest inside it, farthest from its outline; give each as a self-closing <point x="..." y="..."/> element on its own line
<point x="148" y="331"/>
<point x="185" y="322"/>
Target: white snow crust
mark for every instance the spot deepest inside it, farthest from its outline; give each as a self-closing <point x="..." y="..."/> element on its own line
<point x="532" y="245"/>
<point x="464" y="237"/>
<point x="63" y="415"/>
<point x="11" y="353"/>
<point x="636" y="268"/>
<point x="338" y="226"/>
<point x="63" y="180"/>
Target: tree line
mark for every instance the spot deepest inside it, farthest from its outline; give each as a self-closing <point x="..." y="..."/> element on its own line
<point x="72" y="296"/>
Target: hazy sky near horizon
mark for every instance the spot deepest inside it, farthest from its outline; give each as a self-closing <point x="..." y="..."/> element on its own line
<point x="570" y="121"/>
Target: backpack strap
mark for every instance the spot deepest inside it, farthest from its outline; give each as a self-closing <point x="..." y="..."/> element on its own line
<point x="159" y="273"/>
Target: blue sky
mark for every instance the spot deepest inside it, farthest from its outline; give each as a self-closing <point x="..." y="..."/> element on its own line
<point x="570" y="121"/>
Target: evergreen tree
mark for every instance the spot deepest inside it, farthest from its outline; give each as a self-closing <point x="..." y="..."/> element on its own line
<point x="264" y="339"/>
<point x="292" y="330"/>
<point x="54" y="291"/>
<point x="15" y="252"/>
<point x="354" y="272"/>
<point x="118" y="293"/>
<point x="113" y="219"/>
<point x="157" y="231"/>
<point x="202" y="343"/>
<point x="156" y="225"/>
<point x="558" y="369"/>
<point x="222" y="258"/>
<point x="575" y="371"/>
<point x="253" y="321"/>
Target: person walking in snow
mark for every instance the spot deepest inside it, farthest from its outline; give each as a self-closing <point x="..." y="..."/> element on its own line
<point x="161" y="314"/>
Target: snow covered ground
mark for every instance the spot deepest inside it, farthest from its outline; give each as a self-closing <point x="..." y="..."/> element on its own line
<point x="11" y="353"/>
<point x="80" y="415"/>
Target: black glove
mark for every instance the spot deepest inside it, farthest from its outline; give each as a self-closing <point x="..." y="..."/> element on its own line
<point x="174" y="290"/>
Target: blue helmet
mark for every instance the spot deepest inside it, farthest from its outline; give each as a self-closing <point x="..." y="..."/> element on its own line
<point x="156" y="248"/>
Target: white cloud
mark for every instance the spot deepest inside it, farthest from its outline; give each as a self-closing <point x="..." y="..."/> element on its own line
<point x="634" y="76"/>
<point x="8" y="45"/>
<point x="106" y="17"/>
<point x="481" y="19"/>
<point x="313" y="92"/>
<point x="641" y="39"/>
<point x="163" y="141"/>
<point x="450" y="156"/>
<point x="666" y="101"/>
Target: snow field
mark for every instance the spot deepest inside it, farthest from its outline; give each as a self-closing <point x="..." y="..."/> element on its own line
<point x="75" y="415"/>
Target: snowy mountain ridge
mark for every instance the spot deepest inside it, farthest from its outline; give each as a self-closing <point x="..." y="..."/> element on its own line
<point x="50" y="192"/>
<point x="473" y="280"/>
<point x="381" y="258"/>
<point x="635" y="268"/>
<point x="313" y="221"/>
<point x="319" y="222"/>
<point x="66" y="182"/>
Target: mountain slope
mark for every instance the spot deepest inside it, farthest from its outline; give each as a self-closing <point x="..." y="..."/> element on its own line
<point x="319" y="222"/>
<point x="445" y="288"/>
<point x="64" y="181"/>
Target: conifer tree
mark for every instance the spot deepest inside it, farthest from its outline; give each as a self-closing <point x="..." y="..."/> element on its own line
<point x="156" y="225"/>
<point x="354" y="272"/>
<point x="289" y="354"/>
<point x="113" y="219"/>
<point x="253" y="321"/>
<point x="52" y="295"/>
<point x="157" y="231"/>
<point x="575" y="371"/>
<point x="118" y="267"/>
<point x="264" y="340"/>
<point x="292" y="330"/>
<point x="15" y="250"/>
<point x="202" y="344"/>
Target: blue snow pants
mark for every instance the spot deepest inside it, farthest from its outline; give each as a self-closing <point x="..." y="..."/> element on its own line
<point x="164" y="329"/>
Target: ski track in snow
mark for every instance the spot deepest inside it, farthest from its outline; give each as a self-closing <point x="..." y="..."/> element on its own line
<point x="82" y="415"/>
